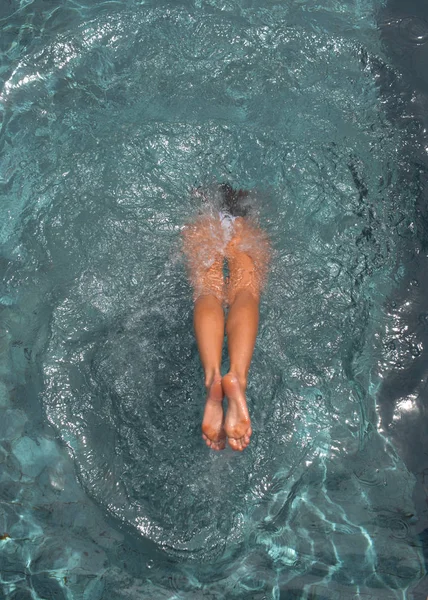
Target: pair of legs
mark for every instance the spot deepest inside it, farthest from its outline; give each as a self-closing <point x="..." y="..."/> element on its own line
<point x="241" y="294"/>
<point x="241" y="329"/>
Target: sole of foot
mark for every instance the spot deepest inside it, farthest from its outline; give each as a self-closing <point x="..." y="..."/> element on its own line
<point x="213" y="421"/>
<point x="237" y="424"/>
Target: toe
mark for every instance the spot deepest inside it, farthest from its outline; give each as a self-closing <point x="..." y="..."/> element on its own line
<point x="221" y="444"/>
<point x="233" y="443"/>
<point x="237" y="444"/>
<point x="218" y="446"/>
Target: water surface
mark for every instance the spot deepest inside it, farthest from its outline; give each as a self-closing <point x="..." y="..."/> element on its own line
<point x="111" y="113"/>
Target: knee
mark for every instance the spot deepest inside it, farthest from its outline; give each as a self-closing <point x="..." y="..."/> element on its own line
<point x="208" y="303"/>
<point x="243" y="294"/>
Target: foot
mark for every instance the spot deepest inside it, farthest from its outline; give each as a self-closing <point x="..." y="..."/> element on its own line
<point x="212" y="423"/>
<point x="237" y="424"/>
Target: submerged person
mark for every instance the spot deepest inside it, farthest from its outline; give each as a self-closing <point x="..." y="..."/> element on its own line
<point x="230" y="234"/>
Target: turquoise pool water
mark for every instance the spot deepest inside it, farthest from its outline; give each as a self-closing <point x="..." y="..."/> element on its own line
<point x="111" y="113"/>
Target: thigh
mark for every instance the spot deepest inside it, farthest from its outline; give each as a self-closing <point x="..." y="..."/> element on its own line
<point x="203" y="247"/>
<point x="248" y="254"/>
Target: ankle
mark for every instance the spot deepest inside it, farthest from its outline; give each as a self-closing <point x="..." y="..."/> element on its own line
<point x="210" y="377"/>
<point x="241" y="377"/>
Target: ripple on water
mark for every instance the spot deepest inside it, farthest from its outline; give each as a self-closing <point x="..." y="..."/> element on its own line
<point x="414" y="30"/>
